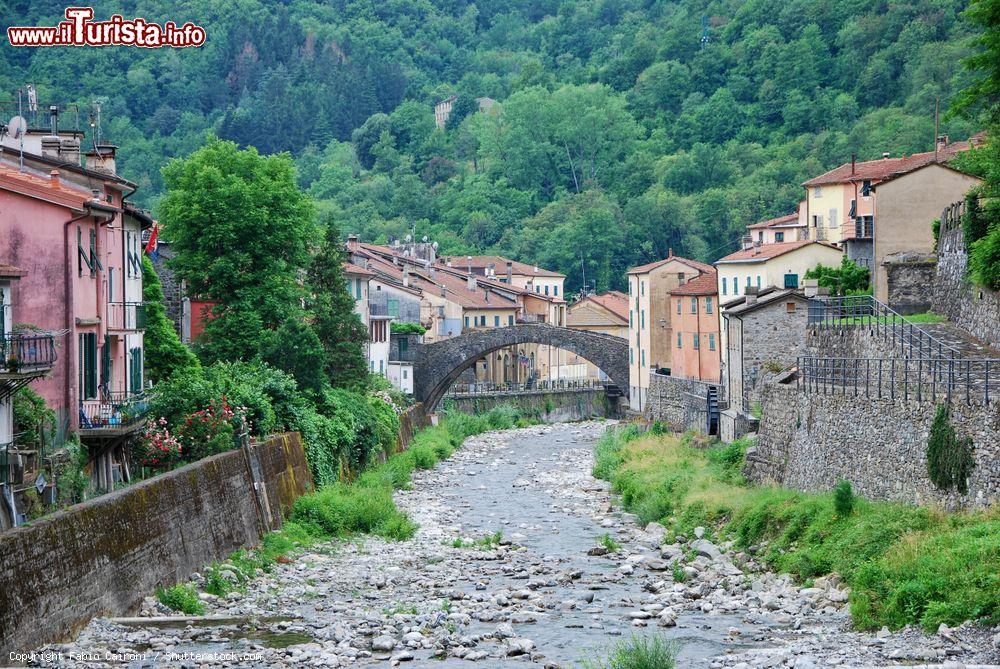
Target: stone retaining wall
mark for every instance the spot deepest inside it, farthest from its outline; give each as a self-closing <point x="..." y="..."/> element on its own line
<point x="974" y="308"/>
<point x="909" y="277"/>
<point x="104" y="556"/>
<point x="411" y="421"/>
<point x="810" y="442"/>
<point x="681" y="403"/>
<point x="551" y="406"/>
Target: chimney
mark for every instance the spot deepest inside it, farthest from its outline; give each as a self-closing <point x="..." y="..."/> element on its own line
<point x="510" y="272"/>
<point x="51" y="145"/>
<point x="443" y="291"/>
<point x="751" y="294"/>
<point x="473" y="284"/>
<point x="69" y="149"/>
<point x="54" y="177"/>
<point x="810" y="287"/>
<point x="942" y="142"/>
<point x="854" y="160"/>
<point x="670" y="252"/>
<point x="486" y="294"/>
<point x="406" y="276"/>
<point x="352" y="241"/>
<point x="885" y="155"/>
<point x="102" y="158"/>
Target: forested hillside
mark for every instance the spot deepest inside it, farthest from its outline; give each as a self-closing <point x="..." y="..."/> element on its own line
<point x="676" y="123"/>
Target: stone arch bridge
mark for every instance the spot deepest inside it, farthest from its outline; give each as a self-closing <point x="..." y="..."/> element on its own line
<point x="436" y="366"/>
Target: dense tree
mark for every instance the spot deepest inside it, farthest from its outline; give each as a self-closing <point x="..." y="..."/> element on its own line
<point x="241" y="230"/>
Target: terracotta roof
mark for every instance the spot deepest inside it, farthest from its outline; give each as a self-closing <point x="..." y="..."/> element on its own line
<point x="878" y="170"/>
<point x="704" y="284"/>
<point x="50" y="189"/>
<point x="775" y="222"/>
<point x="10" y="272"/>
<point x="612" y="300"/>
<point x="499" y="264"/>
<point x="768" y="251"/>
<point x="694" y="264"/>
<point x="358" y="270"/>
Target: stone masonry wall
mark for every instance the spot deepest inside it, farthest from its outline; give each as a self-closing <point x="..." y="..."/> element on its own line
<point x="681" y="403"/>
<point x="909" y="277"/>
<point x="974" y="308"/>
<point x="810" y="442"/>
<point x="103" y="556"/>
<point x="552" y="406"/>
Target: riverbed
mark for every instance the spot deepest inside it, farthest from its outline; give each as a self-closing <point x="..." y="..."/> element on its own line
<point x="521" y="560"/>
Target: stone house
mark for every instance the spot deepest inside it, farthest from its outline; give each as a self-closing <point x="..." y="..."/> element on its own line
<point x="650" y="332"/>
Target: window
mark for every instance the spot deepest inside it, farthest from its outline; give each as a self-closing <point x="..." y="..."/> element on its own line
<point x="678" y="305"/>
<point x="631" y="355"/>
<point x="694" y="305"/>
<point x="381" y="366"/>
<point x="496" y="321"/>
<point x="833" y="218"/>
<point x="393" y="308"/>
<point x="791" y="281"/>
<point x="405" y="374"/>
<point x="134" y="369"/>
<point x="680" y="340"/>
<point x="736" y="286"/>
<point x="510" y="319"/>
<point x="854" y="209"/>
<point x="357" y="289"/>
<point x="790" y="307"/>
<point x="779" y="237"/>
<point x="555" y="290"/>
<point x="817" y="221"/>
<point x="642" y="319"/>
<point x="631" y="322"/>
<point x="88" y="365"/>
<point x="642" y="287"/>
<point x="642" y="358"/>
<point x="866" y="188"/>
<point x="758" y="281"/>
<point x="538" y="289"/>
<point x="132" y="254"/>
<point x="817" y="191"/>
<point x="748" y="280"/>
<point x="466" y="321"/>
<point x="760" y="236"/>
<point x="111" y="284"/>
<point x="711" y="341"/>
<point x="546" y="290"/>
<point x="697" y="341"/>
<point x="708" y="305"/>
<point x="724" y="289"/>
<point x="680" y="278"/>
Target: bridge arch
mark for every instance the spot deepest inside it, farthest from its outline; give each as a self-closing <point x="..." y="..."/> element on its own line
<point x="438" y="365"/>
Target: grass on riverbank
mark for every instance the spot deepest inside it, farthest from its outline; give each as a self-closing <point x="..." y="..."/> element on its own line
<point x="904" y="564"/>
<point x="343" y="509"/>
<point x="639" y="652"/>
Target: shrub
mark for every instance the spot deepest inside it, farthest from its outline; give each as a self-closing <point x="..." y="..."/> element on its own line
<point x="847" y="279"/>
<point x="640" y="653"/>
<point x="407" y="328"/>
<point x="181" y="597"/>
<point x="974" y="221"/>
<point x="843" y="499"/>
<point x="949" y="457"/>
<point x="984" y="259"/>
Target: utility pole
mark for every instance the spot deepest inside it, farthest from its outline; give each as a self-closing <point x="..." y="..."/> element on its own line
<point x="937" y="125"/>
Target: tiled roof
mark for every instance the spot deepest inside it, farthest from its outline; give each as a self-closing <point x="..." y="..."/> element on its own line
<point x="700" y="266"/>
<point x="499" y="265"/>
<point x="358" y="270"/>
<point x="612" y="300"/>
<point x="768" y="251"/>
<point x="9" y="271"/>
<point x="704" y="284"/>
<point x="773" y="222"/>
<point x="877" y="170"/>
<point x="44" y="188"/>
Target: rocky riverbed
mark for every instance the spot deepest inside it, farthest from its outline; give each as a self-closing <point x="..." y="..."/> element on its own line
<point x="520" y="560"/>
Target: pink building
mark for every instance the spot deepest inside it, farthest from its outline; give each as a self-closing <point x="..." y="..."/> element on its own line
<point x="78" y="243"/>
<point x="696" y="349"/>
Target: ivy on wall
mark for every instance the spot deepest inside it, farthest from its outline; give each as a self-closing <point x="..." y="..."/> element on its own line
<point x="949" y="456"/>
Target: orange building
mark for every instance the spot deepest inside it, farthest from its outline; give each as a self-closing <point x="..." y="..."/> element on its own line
<point x="696" y="349"/>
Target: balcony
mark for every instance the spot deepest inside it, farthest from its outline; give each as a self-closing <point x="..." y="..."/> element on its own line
<point x="864" y="227"/>
<point x="26" y="354"/>
<point x="126" y="316"/>
<point x="113" y="414"/>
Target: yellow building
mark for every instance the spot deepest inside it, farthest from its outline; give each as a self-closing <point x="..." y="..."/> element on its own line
<point x="650" y="331"/>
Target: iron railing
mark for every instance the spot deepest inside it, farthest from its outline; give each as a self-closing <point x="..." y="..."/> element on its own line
<point x="23" y="352"/>
<point x="126" y="316"/>
<point x="488" y="388"/>
<point x="866" y="312"/>
<point x="921" y="379"/>
<point x="114" y="409"/>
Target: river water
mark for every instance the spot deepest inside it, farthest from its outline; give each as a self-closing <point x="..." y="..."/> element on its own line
<point x="537" y="598"/>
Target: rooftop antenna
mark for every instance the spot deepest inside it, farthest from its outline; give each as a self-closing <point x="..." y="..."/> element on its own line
<point x="32" y="103"/>
<point x="95" y="122"/>
<point x="20" y="112"/>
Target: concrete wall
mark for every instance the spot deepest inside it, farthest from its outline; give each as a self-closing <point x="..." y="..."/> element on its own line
<point x="552" y="407"/>
<point x="974" y="308"/>
<point x="909" y="278"/>
<point x="103" y="556"/>
<point x="681" y="403"/>
<point x="810" y="442"/>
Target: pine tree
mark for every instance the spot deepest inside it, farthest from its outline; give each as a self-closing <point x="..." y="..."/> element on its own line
<point x="340" y="330"/>
<point x="164" y="351"/>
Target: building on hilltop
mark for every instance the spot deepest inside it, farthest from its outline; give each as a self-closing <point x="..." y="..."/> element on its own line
<point x="651" y="318"/>
<point x="442" y="109"/>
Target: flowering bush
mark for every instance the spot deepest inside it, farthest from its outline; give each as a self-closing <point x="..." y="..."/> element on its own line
<point x="159" y="447"/>
<point x="210" y="430"/>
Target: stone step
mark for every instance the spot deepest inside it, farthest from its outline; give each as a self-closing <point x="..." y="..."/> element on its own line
<point x="953" y="335"/>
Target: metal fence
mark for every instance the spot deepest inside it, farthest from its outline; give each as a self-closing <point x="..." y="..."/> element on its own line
<point x="487" y="388"/>
<point x="127" y="316"/>
<point x="920" y="379"/>
<point x="839" y="313"/>
<point x="26" y="352"/>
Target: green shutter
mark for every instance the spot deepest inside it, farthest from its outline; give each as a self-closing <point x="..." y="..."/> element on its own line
<point x="135" y="370"/>
<point x="106" y="362"/>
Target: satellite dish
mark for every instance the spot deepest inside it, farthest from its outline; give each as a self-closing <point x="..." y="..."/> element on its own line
<point x="409" y="238"/>
<point x="17" y="127"/>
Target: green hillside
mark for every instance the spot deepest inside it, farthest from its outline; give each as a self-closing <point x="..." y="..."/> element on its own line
<point x="673" y="123"/>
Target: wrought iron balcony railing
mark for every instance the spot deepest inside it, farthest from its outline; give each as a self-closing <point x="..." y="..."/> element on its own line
<point x="22" y="352"/>
<point x="126" y="316"/>
<point x="114" y="410"/>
